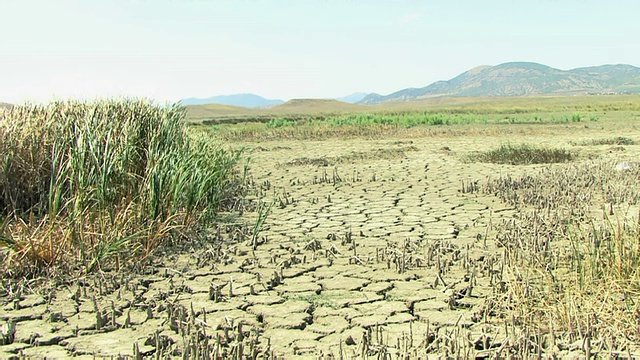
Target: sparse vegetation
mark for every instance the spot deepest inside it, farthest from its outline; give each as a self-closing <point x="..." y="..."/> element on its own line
<point x="87" y="185"/>
<point x="406" y="120"/>
<point x="442" y="116"/>
<point x="453" y="105"/>
<point x="522" y="154"/>
<point x="379" y="246"/>
<point x="280" y="122"/>
<point x="576" y="117"/>
<point x="572" y="254"/>
<point x="378" y="154"/>
<point x="618" y="140"/>
<point x="365" y="125"/>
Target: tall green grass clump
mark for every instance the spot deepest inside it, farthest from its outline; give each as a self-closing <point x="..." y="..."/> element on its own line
<point x="280" y="122"/>
<point x="522" y="154"/>
<point x="91" y="184"/>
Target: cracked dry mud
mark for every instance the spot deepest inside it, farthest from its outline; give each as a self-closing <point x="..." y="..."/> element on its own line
<point x="391" y="250"/>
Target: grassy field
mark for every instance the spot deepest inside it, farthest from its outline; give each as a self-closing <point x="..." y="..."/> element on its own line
<point x="469" y="228"/>
<point x="555" y="213"/>
<point x="375" y="125"/>
<point x="300" y="108"/>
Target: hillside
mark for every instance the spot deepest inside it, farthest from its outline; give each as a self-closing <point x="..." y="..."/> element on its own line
<point x="353" y="98"/>
<point x="243" y="100"/>
<point x="524" y="79"/>
<point x="315" y="106"/>
<point x="216" y="110"/>
<point x="291" y="107"/>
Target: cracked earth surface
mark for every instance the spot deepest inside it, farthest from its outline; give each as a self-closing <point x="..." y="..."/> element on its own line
<point x="360" y="250"/>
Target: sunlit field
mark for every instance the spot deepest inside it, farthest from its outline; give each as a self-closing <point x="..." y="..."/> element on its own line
<point x="466" y="228"/>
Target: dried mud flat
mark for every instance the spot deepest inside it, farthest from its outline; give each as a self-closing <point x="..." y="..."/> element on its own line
<point x="371" y="247"/>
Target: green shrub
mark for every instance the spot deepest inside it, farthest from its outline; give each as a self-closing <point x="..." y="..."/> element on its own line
<point x="576" y="117"/>
<point x="280" y="122"/>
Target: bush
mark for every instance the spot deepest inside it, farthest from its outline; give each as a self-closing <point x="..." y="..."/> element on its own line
<point x="576" y="117"/>
<point x="277" y="123"/>
<point x="522" y="154"/>
<point x="87" y="183"/>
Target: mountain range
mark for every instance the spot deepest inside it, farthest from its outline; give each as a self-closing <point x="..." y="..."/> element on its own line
<point x="353" y="98"/>
<point x="508" y="79"/>
<point x="244" y="100"/>
<point x="511" y="79"/>
<point x="524" y="79"/>
<point x="256" y="101"/>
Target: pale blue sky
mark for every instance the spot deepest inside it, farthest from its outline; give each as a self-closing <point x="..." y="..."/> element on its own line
<point x="171" y="49"/>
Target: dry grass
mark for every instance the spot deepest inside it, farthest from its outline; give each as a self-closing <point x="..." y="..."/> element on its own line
<point x="522" y="154"/>
<point x="294" y="107"/>
<point x="379" y="154"/>
<point x="571" y="257"/>
<point x="217" y="110"/>
<point x="521" y="104"/>
<point x="316" y="106"/>
<point x="565" y="275"/>
<point x="450" y="105"/>
<point x="618" y="140"/>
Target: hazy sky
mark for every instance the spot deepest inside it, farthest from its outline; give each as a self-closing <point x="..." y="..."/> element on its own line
<point x="173" y="49"/>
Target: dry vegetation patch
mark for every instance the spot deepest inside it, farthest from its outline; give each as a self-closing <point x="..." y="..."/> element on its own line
<point x="618" y="140"/>
<point x="378" y="154"/>
<point x="522" y="154"/>
<point x="571" y="257"/>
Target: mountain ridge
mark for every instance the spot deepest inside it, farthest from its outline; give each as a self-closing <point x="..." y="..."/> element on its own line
<point x="248" y="100"/>
<point x="243" y="100"/>
<point x="352" y="98"/>
<point x="523" y="79"/>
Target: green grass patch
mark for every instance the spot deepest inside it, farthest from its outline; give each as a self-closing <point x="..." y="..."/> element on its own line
<point x="522" y="154"/>
<point x="280" y="122"/>
<point x="406" y="120"/>
<point x="376" y="124"/>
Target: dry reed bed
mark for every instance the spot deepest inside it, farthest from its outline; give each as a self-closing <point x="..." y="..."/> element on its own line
<point x="570" y="259"/>
<point x="87" y="186"/>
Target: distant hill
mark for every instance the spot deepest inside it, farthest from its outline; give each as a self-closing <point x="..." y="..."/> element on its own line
<point x="353" y="98"/>
<point x="315" y="106"/>
<point x="244" y="100"/>
<point x="291" y="107"/>
<point x="524" y="79"/>
<point x="5" y="105"/>
<point x="216" y="110"/>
